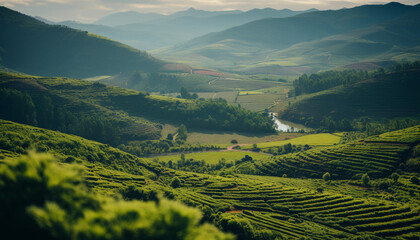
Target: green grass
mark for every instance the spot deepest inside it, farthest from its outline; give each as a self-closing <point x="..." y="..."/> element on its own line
<point x="242" y="93"/>
<point x="321" y="139"/>
<point x="225" y="138"/>
<point x="212" y="157"/>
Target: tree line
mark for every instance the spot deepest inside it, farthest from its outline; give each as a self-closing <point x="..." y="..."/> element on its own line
<point x="212" y="114"/>
<point x="325" y="80"/>
<point x="40" y="111"/>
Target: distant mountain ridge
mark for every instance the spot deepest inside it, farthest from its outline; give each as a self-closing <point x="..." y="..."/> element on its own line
<point x="33" y="47"/>
<point x="152" y="31"/>
<point x="317" y="40"/>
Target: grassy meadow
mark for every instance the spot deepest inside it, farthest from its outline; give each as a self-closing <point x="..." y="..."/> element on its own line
<point x="212" y="157"/>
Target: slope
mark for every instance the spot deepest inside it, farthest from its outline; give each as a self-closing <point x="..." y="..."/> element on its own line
<point x="378" y="156"/>
<point x="110" y="114"/>
<point x="388" y="95"/>
<point x="34" y="47"/>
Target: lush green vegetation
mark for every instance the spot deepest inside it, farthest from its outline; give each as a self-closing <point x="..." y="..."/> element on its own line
<point x="214" y="114"/>
<point x="214" y="162"/>
<point x="378" y="156"/>
<point x="112" y="115"/>
<point x="252" y="208"/>
<point x="325" y="80"/>
<point x="71" y="106"/>
<point x="321" y="139"/>
<point x="386" y="102"/>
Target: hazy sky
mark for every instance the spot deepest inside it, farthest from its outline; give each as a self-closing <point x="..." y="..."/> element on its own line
<point x="90" y="10"/>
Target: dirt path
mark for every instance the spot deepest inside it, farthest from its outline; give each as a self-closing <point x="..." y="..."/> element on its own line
<point x="174" y="138"/>
<point x="214" y="80"/>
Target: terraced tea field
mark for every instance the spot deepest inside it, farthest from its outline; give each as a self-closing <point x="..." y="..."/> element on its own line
<point x="298" y="212"/>
<point x="321" y="139"/>
<point x="378" y="156"/>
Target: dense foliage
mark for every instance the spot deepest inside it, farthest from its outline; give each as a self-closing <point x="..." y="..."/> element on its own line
<point x="145" y="148"/>
<point x="44" y="201"/>
<point x="324" y="80"/>
<point x="386" y="101"/>
<point x="212" y="114"/>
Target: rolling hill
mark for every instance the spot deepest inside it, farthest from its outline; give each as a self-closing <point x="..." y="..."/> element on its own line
<point x="315" y="40"/>
<point x="390" y="95"/>
<point x="110" y="114"/>
<point x="33" y="47"/>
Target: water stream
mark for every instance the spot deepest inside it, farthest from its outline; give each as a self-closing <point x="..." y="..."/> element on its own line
<point x="281" y="126"/>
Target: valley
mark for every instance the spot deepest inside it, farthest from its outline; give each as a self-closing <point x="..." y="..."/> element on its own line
<point x="258" y="124"/>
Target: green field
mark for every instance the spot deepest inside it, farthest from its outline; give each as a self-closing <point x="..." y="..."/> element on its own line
<point x="213" y="157"/>
<point x="225" y="138"/>
<point x="242" y="93"/>
<point x="321" y="139"/>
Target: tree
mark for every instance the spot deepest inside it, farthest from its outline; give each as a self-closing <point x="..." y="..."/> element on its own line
<point x="185" y="94"/>
<point x="365" y="179"/>
<point x="182" y="132"/>
<point x="176" y="183"/>
<point x="326" y="176"/>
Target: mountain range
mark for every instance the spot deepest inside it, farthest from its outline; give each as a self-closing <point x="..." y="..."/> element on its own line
<point x="151" y="31"/>
<point x="310" y="41"/>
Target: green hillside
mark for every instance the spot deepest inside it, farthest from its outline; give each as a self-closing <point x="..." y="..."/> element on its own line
<point x="308" y="42"/>
<point x="33" y="47"/>
<point x="72" y="106"/>
<point x="252" y="207"/>
<point x="384" y="95"/>
<point x="113" y="115"/>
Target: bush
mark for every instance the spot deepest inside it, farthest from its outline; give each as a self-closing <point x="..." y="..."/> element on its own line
<point x="234" y="141"/>
<point x="365" y="180"/>
<point x="326" y="176"/>
<point x="176" y="183"/>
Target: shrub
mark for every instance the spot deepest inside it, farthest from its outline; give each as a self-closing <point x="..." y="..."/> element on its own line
<point x="365" y="179"/>
<point x="176" y="183"/>
<point x="326" y="176"/>
<point x="234" y="141"/>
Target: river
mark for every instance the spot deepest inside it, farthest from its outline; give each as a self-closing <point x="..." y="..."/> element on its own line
<point x="282" y="126"/>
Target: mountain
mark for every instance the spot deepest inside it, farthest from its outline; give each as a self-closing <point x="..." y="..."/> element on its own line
<point x="34" y="47"/>
<point x="122" y="18"/>
<point x="181" y="26"/>
<point x="298" y="41"/>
